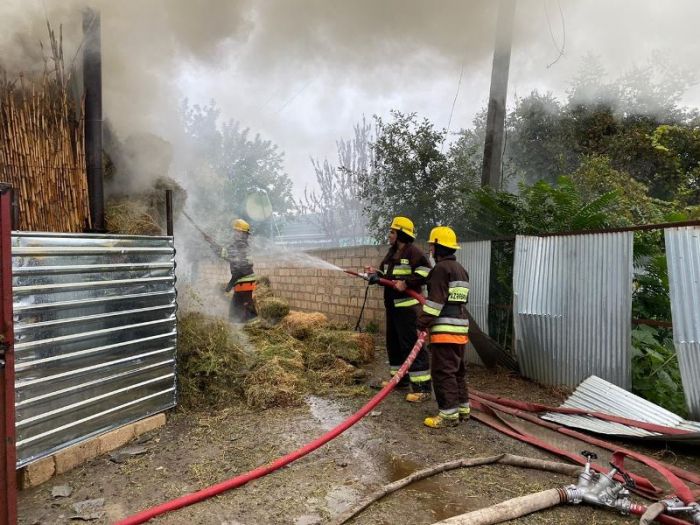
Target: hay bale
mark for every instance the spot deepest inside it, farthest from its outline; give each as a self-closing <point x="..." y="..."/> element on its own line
<point x="211" y="366"/>
<point x="278" y="382"/>
<point x="272" y="309"/>
<point x="130" y="216"/>
<point x="143" y="212"/>
<point x="353" y="347"/>
<point x="302" y="324"/>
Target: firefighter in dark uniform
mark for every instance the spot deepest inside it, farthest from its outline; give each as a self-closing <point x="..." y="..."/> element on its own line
<point x="242" y="307"/>
<point x="408" y="266"/>
<point x="444" y="314"/>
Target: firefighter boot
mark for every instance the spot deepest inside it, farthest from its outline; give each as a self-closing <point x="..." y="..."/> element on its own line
<point x="421" y="392"/>
<point x="464" y="412"/>
<point x="418" y="397"/>
<point x="442" y="420"/>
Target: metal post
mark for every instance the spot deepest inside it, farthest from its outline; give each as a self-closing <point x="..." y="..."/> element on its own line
<point x="8" y="454"/>
<point x="15" y="209"/>
<point x="92" y="82"/>
<point x="169" y="212"/>
<point x="495" y="119"/>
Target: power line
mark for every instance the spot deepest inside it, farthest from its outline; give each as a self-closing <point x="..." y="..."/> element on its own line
<point x="551" y="33"/>
<point x="295" y="95"/>
<point x="452" y="110"/>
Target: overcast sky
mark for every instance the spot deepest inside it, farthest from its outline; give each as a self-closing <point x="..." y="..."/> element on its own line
<point x="302" y="72"/>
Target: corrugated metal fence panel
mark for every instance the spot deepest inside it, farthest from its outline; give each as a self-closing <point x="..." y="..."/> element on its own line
<point x="598" y="395"/>
<point x="95" y="333"/>
<point x="683" y="256"/>
<point x="476" y="258"/>
<point x="573" y="300"/>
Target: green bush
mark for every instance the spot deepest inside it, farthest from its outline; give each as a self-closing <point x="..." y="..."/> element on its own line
<point x="655" y="372"/>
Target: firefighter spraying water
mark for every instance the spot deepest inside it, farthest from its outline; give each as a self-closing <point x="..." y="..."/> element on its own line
<point x="242" y="282"/>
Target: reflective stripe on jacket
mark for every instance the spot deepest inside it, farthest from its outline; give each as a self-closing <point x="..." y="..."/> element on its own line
<point x="408" y="264"/>
<point x="444" y="312"/>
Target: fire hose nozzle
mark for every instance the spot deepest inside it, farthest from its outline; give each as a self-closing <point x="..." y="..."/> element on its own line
<point x="371" y="278"/>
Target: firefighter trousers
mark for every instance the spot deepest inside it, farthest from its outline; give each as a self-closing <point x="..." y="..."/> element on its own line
<point x="400" y="337"/>
<point x="449" y="371"/>
<point x="242" y="307"/>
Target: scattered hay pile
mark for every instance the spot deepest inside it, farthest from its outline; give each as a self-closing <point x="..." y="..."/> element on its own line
<point x="277" y="374"/>
<point x="301" y="354"/>
<point x="211" y="363"/>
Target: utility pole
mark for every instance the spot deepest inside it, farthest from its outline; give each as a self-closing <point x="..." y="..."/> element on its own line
<point x="92" y="82"/>
<point x="495" y="119"/>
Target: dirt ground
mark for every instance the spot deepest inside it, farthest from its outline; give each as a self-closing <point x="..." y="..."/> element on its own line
<point x="195" y="450"/>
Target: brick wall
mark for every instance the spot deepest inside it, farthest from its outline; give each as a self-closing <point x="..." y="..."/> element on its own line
<point x="335" y="293"/>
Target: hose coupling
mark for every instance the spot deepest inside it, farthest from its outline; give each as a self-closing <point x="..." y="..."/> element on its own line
<point x="573" y="494"/>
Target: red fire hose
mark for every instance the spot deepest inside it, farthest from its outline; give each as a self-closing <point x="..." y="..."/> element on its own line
<point x="532" y="418"/>
<point x="389" y="284"/>
<point x="195" y="497"/>
<point x="639" y="510"/>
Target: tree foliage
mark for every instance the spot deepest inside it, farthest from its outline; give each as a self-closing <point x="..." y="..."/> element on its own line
<point x="636" y="121"/>
<point x="230" y="169"/>
<point x="411" y="176"/>
<point x="540" y="208"/>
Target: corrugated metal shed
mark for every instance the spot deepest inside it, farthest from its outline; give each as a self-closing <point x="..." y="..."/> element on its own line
<point x="683" y="257"/>
<point x="572" y="305"/>
<point x="95" y="334"/>
<point x="596" y="394"/>
<point x="476" y="258"/>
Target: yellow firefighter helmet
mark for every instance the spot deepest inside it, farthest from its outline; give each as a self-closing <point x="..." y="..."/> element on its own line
<point x="403" y="224"/>
<point x="240" y="225"/>
<point x="444" y="236"/>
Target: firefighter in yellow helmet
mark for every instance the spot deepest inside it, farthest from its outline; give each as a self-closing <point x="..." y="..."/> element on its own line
<point x="444" y="314"/>
<point x="408" y="266"/>
<point x="242" y="280"/>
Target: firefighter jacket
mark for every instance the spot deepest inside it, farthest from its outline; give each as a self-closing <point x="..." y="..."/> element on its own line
<point x="242" y="276"/>
<point x="406" y="264"/>
<point x="444" y="312"/>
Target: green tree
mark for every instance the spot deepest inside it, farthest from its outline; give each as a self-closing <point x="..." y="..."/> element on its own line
<point x="635" y="120"/>
<point x="537" y="149"/>
<point x="337" y="204"/>
<point x="233" y="173"/>
<point x="411" y="176"/>
<point x="680" y="148"/>
<point x="540" y="208"/>
<point x="596" y="176"/>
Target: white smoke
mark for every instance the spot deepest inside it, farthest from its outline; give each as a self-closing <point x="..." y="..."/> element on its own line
<point x="303" y="72"/>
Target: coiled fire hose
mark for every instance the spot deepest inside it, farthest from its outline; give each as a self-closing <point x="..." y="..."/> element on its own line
<point x="200" y="495"/>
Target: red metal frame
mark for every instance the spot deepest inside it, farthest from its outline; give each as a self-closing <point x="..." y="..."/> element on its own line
<point x="8" y="478"/>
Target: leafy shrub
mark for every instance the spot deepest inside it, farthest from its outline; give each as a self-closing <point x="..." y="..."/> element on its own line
<point x="655" y="372"/>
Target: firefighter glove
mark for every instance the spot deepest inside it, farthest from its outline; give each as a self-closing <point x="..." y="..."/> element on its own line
<point x="373" y="278"/>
